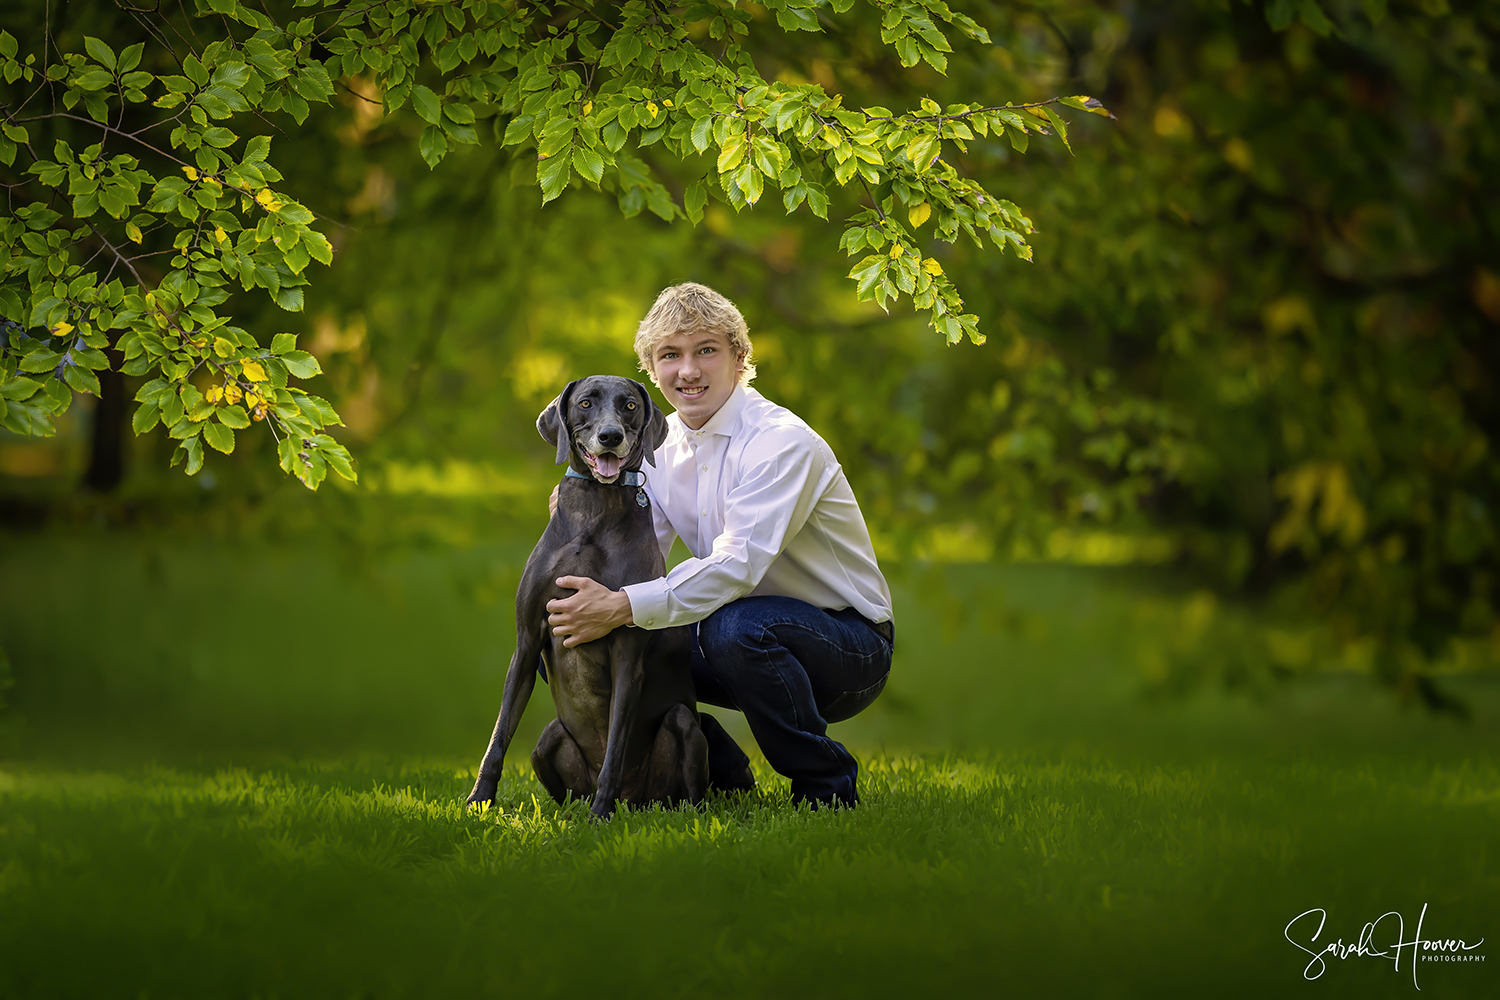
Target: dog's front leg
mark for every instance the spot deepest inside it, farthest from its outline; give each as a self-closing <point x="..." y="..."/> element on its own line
<point x="520" y="679"/>
<point x="626" y="672"/>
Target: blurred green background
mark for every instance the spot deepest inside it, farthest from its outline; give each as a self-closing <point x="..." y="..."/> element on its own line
<point x="1194" y="561"/>
<point x="1256" y="343"/>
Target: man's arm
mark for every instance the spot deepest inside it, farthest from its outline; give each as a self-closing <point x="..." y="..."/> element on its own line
<point x="763" y="512"/>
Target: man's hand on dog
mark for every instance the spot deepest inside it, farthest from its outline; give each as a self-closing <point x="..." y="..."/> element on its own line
<point x="592" y="613"/>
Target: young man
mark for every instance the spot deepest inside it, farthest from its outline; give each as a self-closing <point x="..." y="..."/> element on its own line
<point x="791" y="615"/>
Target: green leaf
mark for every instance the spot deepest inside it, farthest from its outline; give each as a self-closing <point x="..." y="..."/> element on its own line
<point x="219" y="436"/>
<point x="732" y="152"/>
<point x="94" y="79"/>
<point x="921" y="150"/>
<point x="433" y="145"/>
<point x="130" y="57"/>
<point x="427" y="105"/>
<point x="694" y="199"/>
<point x="519" y="130"/>
<point x="195" y="71"/>
<point x="318" y="247"/>
<point x="817" y="200"/>
<point x="588" y="163"/>
<point x="339" y="461"/>
<point x="193" y="448"/>
<point x="301" y="364"/>
<point x="19" y="388"/>
<point x="146" y="417"/>
<point x="294" y="213"/>
<point x="703" y="132"/>
<point x="1060" y="125"/>
<point x="283" y="342"/>
<point x="751" y="182"/>
<point x="552" y="174"/>
<point x="80" y="379"/>
<point x="101" y="53"/>
<point x="40" y="361"/>
<point x="233" y="415"/>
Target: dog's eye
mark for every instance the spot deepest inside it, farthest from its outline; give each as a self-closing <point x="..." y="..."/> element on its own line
<point x="630" y="405"/>
<point x="585" y="404"/>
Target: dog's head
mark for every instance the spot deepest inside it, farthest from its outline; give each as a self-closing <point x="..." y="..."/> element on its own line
<point x="603" y="425"/>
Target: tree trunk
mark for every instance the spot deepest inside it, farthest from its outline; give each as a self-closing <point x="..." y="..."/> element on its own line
<point x="107" y="449"/>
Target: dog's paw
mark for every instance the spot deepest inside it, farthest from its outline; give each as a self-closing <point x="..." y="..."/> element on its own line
<point x="602" y="810"/>
<point x="483" y="793"/>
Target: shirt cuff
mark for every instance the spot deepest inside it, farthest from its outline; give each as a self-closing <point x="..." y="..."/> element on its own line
<point x="648" y="602"/>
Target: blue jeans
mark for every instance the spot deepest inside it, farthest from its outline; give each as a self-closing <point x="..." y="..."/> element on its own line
<point x="791" y="669"/>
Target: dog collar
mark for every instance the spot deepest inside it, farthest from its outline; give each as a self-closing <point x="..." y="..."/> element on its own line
<point x="627" y="478"/>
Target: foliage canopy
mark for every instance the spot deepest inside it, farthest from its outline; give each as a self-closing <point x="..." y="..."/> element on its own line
<point x="587" y="93"/>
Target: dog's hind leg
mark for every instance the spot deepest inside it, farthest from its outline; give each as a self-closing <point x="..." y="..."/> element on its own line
<point x="560" y="765"/>
<point x="679" y="759"/>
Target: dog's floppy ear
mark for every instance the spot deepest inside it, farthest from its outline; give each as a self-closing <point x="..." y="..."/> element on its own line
<point x="656" y="425"/>
<point x="552" y="424"/>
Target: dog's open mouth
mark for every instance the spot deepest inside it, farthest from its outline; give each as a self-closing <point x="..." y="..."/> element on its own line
<point x="606" y="467"/>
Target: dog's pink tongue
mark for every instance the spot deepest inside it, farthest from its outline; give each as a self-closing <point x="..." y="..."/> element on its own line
<point x="608" y="465"/>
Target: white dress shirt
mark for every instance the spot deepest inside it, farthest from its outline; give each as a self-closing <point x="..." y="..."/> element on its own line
<point x="763" y="506"/>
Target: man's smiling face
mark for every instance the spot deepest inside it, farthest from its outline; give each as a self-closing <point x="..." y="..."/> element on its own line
<point x="696" y="372"/>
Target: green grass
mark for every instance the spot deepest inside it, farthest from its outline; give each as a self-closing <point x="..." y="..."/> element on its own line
<point x="190" y="807"/>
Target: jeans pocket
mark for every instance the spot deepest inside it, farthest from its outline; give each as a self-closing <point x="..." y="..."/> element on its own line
<point x="851" y="703"/>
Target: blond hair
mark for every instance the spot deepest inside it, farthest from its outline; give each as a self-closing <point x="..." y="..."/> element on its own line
<point x="692" y="308"/>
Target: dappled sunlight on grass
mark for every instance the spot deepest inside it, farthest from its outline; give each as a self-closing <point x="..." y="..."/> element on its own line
<point x="298" y="819"/>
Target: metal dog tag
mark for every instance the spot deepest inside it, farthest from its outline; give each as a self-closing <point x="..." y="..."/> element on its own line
<point x="640" y="498"/>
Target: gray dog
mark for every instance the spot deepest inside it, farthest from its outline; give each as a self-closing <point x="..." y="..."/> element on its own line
<point x="627" y="721"/>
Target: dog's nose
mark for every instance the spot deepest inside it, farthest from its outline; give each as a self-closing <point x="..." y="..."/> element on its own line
<point x="611" y="437"/>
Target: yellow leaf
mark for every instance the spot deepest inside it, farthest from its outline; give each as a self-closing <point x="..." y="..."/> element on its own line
<point x="651" y="107"/>
<point x="588" y="107"/>
<point x="253" y="371"/>
<point x="919" y="214"/>
<point x="133" y="231"/>
<point x="667" y="101"/>
<point x="1038" y="112"/>
<point x="192" y="173"/>
<point x="232" y="393"/>
<point x="222" y="347"/>
<point x="253" y="400"/>
<point x="219" y="234"/>
<point x="62" y="329"/>
<point x="896" y="250"/>
<point x="214" y="394"/>
<point x="932" y="267"/>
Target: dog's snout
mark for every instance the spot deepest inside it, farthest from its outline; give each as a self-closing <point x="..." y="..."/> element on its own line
<point x="611" y="437"/>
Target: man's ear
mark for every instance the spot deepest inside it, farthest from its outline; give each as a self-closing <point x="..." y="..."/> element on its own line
<point x="656" y="425"/>
<point x="552" y="424"/>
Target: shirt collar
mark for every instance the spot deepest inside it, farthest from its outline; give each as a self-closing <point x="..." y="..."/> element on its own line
<point x="728" y="417"/>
